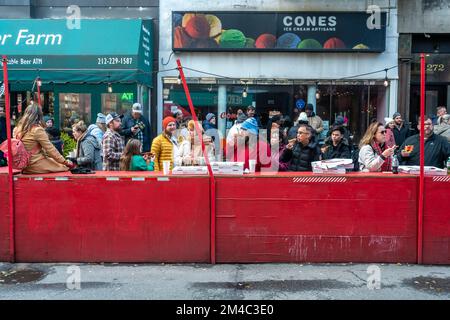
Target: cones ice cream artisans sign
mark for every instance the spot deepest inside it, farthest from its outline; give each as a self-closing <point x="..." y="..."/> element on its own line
<point x="277" y="31"/>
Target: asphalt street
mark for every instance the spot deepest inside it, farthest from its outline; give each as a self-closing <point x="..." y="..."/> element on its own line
<point x="230" y="281"/>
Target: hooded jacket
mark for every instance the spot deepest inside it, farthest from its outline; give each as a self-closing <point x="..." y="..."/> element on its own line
<point x="89" y="153"/>
<point x="443" y="130"/>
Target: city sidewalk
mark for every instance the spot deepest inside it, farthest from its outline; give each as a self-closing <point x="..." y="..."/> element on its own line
<point x="237" y="281"/>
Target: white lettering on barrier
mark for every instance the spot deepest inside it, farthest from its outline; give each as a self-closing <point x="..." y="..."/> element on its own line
<point x="61" y="178"/>
<point x="138" y="179"/>
<point x="112" y="178"/>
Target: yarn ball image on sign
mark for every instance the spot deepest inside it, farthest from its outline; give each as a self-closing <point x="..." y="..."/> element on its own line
<point x="266" y="41"/>
<point x="198" y="27"/>
<point x="334" y="43"/>
<point x="309" y="44"/>
<point x="232" y="38"/>
<point x="181" y="39"/>
<point x="288" y="41"/>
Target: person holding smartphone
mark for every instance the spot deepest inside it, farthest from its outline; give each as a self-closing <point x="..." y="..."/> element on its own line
<point x="374" y="154"/>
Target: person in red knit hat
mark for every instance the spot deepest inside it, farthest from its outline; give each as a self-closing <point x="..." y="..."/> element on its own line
<point x="165" y="146"/>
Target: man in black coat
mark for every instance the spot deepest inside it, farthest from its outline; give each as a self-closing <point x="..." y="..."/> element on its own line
<point x="437" y="148"/>
<point x="300" y="153"/>
<point x="401" y="130"/>
<point x="336" y="146"/>
<point x="136" y="126"/>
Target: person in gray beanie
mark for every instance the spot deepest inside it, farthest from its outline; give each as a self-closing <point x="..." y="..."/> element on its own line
<point x="209" y="122"/>
<point x="98" y="128"/>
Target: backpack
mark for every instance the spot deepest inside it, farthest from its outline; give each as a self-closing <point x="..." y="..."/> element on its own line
<point x="20" y="155"/>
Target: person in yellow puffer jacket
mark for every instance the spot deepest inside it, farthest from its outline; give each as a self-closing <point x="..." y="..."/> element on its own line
<point x="165" y="145"/>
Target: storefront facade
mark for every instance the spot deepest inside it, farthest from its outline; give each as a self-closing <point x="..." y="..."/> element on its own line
<point x="80" y="71"/>
<point x="424" y="28"/>
<point x="336" y="79"/>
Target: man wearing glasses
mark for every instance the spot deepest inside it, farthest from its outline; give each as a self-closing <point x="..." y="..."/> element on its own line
<point x="300" y="152"/>
<point x="437" y="148"/>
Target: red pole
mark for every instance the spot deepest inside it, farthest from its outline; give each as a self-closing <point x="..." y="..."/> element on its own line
<point x="211" y="175"/>
<point x="10" y="170"/>
<point x="422" y="160"/>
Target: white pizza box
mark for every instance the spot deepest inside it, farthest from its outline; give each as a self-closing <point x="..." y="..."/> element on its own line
<point x="428" y="170"/>
<point x="190" y="170"/>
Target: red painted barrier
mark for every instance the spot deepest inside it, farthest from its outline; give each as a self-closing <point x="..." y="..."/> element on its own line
<point x="436" y="232"/>
<point x="309" y="218"/>
<point x="260" y="218"/>
<point x="4" y="215"/>
<point x="91" y="219"/>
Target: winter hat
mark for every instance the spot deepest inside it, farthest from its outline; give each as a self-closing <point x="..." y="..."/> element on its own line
<point x="309" y="106"/>
<point x="209" y="116"/>
<point x="251" y="125"/>
<point x="339" y="121"/>
<point x="388" y="120"/>
<point x="397" y="114"/>
<point x="303" y="117"/>
<point x="241" y="118"/>
<point x="176" y="112"/>
<point x="46" y="118"/>
<point x="137" y="108"/>
<point x="168" y="120"/>
<point x="101" y="118"/>
<point x="110" y="117"/>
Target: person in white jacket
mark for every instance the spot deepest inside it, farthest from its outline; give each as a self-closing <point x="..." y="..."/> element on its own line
<point x="374" y="154"/>
<point x="190" y="150"/>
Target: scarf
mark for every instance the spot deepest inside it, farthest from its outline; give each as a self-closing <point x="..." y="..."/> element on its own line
<point x="387" y="165"/>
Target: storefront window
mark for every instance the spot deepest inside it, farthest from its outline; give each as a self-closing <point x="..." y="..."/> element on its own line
<point x="117" y="102"/>
<point x="347" y="100"/>
<point x="74" y="107"/>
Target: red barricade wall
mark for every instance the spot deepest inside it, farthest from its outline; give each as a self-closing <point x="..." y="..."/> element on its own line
<point x="91" y="219"/>
<point x="436" y="221"/>
<point x="4" y="216"/>
<point x="306" y="218"/>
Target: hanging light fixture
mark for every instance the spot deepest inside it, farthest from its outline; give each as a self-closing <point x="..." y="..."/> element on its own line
<point x="317" y="91"/>
<point x="179" y="79"/>
<point x="110" y="89"/>
<point x="386" y="80"/>
<point x="39" y="82"/>
<point x="245" y="92"/>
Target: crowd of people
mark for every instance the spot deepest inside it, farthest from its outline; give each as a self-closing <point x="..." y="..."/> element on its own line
<point x="122" y="142"/>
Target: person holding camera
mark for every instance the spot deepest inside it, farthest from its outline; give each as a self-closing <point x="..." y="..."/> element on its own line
<point x="136" y="126"/>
